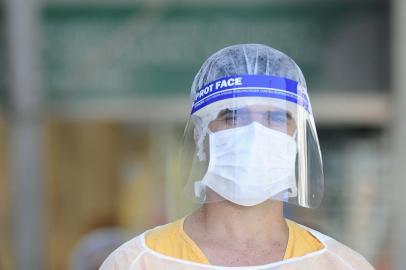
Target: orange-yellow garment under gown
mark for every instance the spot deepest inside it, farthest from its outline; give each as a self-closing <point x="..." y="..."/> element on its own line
<point x="171" y="240"/>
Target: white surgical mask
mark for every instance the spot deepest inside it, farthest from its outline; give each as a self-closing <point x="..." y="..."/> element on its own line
<point x="250" y="164"/>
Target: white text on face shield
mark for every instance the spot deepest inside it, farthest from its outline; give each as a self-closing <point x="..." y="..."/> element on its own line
<point x="227" y="83"/>
<point x="219" y="85"/>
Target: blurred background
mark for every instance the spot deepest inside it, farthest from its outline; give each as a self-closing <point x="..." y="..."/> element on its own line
<point x="94" y="96"/>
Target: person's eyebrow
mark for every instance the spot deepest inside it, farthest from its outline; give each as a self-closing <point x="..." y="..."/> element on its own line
<point x="288" y="113"/>
<point x="223" y="113"/>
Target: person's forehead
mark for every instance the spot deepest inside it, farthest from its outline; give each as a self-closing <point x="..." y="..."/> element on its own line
<point x="257" y="108"/>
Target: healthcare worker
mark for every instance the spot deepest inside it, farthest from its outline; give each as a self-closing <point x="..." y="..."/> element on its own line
<point x="249" y="146"/>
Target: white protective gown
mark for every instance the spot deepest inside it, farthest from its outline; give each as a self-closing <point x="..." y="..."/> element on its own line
<point x="135" y="255"/>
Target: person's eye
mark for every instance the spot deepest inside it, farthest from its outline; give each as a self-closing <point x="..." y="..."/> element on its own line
<point x="228" y="115"/>
<point x="279" y="116"/>
<point x="231" y="119"/>
<point x="224" y="115"/>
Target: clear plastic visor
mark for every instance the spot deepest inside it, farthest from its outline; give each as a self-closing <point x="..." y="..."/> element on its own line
<point x="252" y="150"/>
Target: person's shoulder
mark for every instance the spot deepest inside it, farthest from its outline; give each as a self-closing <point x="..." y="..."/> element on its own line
<point x="128" y="253"/>
<point x="125" y="255"/>
<point x="305" y="241"/>
<point x="342" y="252"/>
<point x="164" y="235"/>
<point x="347" y="254"/>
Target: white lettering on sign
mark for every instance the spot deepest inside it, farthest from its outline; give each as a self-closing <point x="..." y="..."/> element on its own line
<point x="205" y="91"/>
<point x="228" y="83"/>
<point x="238" y="81"/>
<point x="219" y="85"/>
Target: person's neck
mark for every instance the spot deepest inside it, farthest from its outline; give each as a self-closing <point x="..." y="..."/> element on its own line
<point x="225" y="220"/>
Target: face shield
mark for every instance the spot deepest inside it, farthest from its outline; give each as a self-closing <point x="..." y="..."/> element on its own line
<point x="249" y="139"/>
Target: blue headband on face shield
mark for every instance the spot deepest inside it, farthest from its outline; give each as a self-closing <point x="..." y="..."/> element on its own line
<point x="250" y="86"/>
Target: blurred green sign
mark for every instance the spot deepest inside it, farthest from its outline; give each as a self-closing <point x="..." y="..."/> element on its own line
<point x="130" y="51"/>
